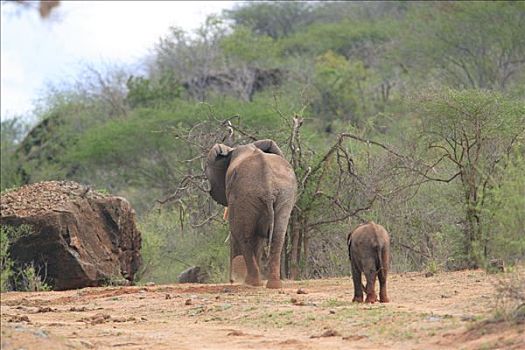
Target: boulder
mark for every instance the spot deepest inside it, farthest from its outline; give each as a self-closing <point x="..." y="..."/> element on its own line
<point x="193" y="274"/>
<point x="75" y="236"/>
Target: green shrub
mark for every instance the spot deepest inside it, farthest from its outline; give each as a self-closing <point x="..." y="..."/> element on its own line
<point x="168" y="248"/>
<point x="510" y="305"/>
<point x="31" y="278"/>
<point x="6" y="264"/>
<point x="27" y="278"/>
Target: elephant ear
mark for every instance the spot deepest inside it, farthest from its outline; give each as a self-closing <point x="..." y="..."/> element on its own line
<point x="216" y="166"/>
<point x="268" y="146"/>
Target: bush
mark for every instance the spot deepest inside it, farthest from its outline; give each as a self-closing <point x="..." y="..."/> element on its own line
<point x="27" y="278"/>
<point x="30" y="278"/>
<point x="168" y="248"/>
<point x="6" y="264"/>
<point x="511" y="296"/>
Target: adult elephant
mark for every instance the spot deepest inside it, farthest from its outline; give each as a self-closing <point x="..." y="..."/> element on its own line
<point x="258" y="186"/>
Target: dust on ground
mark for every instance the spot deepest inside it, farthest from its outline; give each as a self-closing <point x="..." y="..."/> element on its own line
<point x="443" y="311"/>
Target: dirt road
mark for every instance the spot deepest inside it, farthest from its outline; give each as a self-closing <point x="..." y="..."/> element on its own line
<point x="444" y="311"/>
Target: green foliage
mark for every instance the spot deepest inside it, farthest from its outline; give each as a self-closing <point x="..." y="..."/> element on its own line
<point x="12" y="276"/>
<point x="340" y="84"/>
<point x="276" y="20"/>
<point x="348" y="38"/>
<point x="30" y="279"/>
<point x="168" y="248"/>
<point x="505" y="228"/>
<point x="473" y="132"/>
<point x="465" y="44"/>
<point x="143" y="92"/>
<point x="6" y="264"/>
<point x="510" y="305"/>
<point x="12" y="131"/>
<point x="246" y="47"/>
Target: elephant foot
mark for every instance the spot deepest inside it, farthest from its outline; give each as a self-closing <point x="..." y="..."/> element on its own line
<point x="384" y="300"/>
<point x="255" y="282"/>
<point x="371" y="298"/>
<point x="274" y="284"/>
<point x="357" y="299"/>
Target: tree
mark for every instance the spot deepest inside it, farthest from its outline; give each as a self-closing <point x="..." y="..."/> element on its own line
<point x="467" y="44"/>
<point x="471" y="136"/>
<point x="275" y="19"/>
<point x="12" y="131"/>
<point x="191" y="60"/>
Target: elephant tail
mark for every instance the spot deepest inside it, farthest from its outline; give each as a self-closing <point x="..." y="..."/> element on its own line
<point x="382" y="258"/>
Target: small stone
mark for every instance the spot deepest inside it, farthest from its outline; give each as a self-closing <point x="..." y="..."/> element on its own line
<point x="44" y="309"/>
<point x="168" y="296"/>
<point x="297" y="302"/>
<point x="17" y="318"/>
<point x="301" y="291"/>
<point x="332" y="312"/>
<point x="236" y="333"/>
<point x="466" y="318"/>
<point x="77" y="309"/>
<point x="429" y="274"/>
<point x="327" y="333"/>
<point x="188" y="302"/>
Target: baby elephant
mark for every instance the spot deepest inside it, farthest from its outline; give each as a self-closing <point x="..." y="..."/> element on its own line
<point x="368" y="249"/>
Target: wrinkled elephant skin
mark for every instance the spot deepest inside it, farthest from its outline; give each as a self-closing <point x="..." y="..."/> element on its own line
<point x="258" y="186"/>
<point x="369" y="253"/>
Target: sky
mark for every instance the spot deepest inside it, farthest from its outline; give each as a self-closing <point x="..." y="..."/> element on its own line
<point x="37" y="53"/>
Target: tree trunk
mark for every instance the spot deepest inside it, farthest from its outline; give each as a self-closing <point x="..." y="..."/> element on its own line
<point x="295" y="246"/>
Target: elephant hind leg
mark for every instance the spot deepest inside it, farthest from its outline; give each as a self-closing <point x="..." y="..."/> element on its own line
<point x="371" y="296"/>
<point x="382" y="274"/>
<point x="253" y="275"/>
<point x="282" y="215"/>
<point x="358" y="285"/>
<point x="383" y="298"/>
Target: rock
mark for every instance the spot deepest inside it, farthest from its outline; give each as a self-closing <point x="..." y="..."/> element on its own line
<point x="18" y="318"/>
<point x="297" y="302"/>
<point x="193" y="274"/>
<point x="236" y="333"/>
<point x="77" y="237"/>
<point x="327" y="333"/>
<point x="96" y="319"/>
<point x="301" y="291"/>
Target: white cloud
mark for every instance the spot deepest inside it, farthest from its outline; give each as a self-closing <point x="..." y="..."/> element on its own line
<point x="37" y="51"/>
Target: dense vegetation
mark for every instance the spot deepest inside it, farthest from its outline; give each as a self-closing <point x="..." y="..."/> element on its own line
<point x="410" y="114"/>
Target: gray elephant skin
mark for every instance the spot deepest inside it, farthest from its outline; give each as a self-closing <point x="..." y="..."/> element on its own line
<point x="258" y="186"/>
<point x="369" y="253"/>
